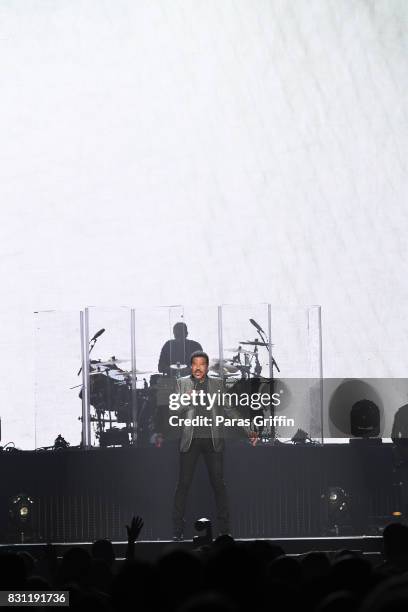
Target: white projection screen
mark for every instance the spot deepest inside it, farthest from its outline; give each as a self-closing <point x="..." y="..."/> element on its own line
<point x="201" y="153"/>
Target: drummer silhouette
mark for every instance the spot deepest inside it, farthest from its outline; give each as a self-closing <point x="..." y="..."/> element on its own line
<point x="175" y="354"/>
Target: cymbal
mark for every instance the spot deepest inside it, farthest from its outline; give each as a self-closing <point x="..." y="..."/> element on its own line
<point x="129" y="372"/>
<point x="119" y="372"/>
<point x="112" y="361"/>
<point x="228" y="367"/>
<point x="239" y="350"/>
<point x="253" y="343"/>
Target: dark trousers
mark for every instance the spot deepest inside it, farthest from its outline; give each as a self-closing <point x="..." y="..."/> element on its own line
<point x="215" y="467"/>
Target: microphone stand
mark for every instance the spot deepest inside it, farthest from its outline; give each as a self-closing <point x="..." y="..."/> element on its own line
<point x="266" y="341"/>
<point x="258" y="367"/>
<point x="94" y="340"/>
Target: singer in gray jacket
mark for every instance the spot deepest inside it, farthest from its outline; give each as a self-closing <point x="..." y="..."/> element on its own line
<point x="200" y="413"/>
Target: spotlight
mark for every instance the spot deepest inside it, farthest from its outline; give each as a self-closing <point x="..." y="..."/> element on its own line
<point x="20" y="513"/>
<point x="338" y="509"/>
<point x="365" y="419"/>
<point x="203" y="524"/>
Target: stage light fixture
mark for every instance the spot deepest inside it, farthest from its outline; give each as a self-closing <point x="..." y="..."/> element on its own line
<point x="300" y="437"/>
<point x="20" y="514"/>
<point x="21" y="507"/>
<point x="60" y="443"/>
<point x="203" y="524"/>
<point x="365" y="419"/>
<point x="338" y="509"/>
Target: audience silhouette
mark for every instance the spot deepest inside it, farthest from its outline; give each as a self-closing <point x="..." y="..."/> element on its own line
<point x="225" y="576"/>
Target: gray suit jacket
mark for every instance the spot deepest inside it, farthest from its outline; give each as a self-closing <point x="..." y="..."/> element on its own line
<point x="186" y="385"/>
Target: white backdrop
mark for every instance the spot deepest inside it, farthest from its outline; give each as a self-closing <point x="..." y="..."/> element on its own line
<point x="161" y="152"/>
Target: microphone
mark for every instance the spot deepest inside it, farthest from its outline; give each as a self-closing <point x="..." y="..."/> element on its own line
<point x="98" y="333"/>
<point x="255" y="324"/>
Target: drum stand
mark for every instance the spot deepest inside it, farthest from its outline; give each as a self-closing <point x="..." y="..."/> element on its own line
<point x="266" y="431"/>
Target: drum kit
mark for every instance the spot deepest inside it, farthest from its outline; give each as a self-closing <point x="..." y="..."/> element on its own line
<point x="243" y="364"/>
<point x="113" y="398"/>
<point x="116" y="398"/>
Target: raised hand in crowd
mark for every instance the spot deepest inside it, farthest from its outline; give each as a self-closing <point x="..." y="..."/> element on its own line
<point x="133" y="531"/>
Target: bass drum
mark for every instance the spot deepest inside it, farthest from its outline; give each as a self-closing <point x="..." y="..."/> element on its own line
<point x="98" y="391"/>
<point x="109" y="393"/>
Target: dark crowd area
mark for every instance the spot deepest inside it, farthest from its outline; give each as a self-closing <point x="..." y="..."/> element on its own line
<point x="223" y="576"/>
